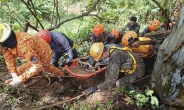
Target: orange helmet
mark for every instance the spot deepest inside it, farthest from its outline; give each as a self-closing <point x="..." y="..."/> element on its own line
<point x="115" y="32"/>
<point x="45" y="35"/>
<point x="154" y="25"/>
<point x="98" y="29"/>
<point x="129" y="37"/>
<point x="96" y="50"/>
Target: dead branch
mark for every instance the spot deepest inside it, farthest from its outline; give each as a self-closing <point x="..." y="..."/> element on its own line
<point x="84" y="14"/>
<point x="173" y="51"/>
<point x="59" y="103"/>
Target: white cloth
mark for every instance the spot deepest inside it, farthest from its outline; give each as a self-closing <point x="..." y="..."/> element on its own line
<point x="14" y="75"/>
<point x="15" y="82"/>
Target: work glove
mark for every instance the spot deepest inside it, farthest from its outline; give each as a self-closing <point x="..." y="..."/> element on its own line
<point x="69" y="63"/>
<point x="91" y="90"/>
<point x="14" y="75"/>
<point x="15" y="82"/>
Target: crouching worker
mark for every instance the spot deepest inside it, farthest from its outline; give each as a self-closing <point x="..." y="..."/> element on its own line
<point x="21" y="45"/>
<point x="123" y="69"/>
<point x="60" y="43"/>
<point x="146" y="52"/>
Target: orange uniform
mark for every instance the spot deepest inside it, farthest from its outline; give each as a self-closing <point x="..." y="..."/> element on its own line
<point x="35" y="51"/>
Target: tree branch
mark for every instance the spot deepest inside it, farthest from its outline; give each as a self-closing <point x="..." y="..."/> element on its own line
<point x="157" y="3"/>
<point x="84" y="14"/>
<point x="57" y="13"/>
<point x="32" y="13"/>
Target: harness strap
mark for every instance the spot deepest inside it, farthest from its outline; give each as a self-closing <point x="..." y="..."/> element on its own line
<point x="127" y="49"/>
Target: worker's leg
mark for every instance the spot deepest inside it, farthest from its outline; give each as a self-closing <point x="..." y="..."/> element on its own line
<point x="55" y="59"/>
<point x="75" y="53"/>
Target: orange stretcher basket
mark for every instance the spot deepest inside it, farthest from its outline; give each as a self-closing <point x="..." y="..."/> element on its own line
<point x="80" y="73"/>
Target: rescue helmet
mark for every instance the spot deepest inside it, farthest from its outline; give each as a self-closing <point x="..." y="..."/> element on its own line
<point x="5" y="31"/>
<point x="96" y="50"/>
<point x="154" y="25"/>
<point x="98" y="29"/>
<point x="129" y="37"/>
<point x="45" y="35"/>
<point x="115" y="32"/>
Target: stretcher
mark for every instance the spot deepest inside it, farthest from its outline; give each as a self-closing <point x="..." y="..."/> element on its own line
<point x="79" y="73"/>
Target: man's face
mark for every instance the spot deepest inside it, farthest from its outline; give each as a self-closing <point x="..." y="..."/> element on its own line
<point x="132" y="23"/>
<point x="104" y="55"/>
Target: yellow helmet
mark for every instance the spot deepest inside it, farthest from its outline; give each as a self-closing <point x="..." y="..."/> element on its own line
<point x="96" y="50"/>
<point x="5" y="31"/>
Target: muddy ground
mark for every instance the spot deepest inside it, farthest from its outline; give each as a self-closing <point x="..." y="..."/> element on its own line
<point x="43" y="90"/>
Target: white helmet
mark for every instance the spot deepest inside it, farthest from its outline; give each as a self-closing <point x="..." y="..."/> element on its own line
<point x="5" y="31"/>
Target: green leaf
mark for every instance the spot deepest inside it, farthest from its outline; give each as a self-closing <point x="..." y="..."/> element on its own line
<point x="154" y="101"/>
<point x="99" y="108"/>
<point x="149" y="92"/>
<point x="162" y="2"/>
<point x="3" y="1"/>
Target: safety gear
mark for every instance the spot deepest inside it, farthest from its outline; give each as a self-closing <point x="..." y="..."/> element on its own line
<point x="98" y="29"/>
<point x="154" y="25"/>
<point x="45" y="35"/>
<point x="15" y="82"/>
<point x="91" y="90"/>
<point x="96" y="50"/>
<point x="145" y="51"/>
<point x="5" y="31"/>
<point x="115" y="32"/>
<point x="129" y="37"/>
<point x="126" y="49"/>
<point x="14" y="75"/>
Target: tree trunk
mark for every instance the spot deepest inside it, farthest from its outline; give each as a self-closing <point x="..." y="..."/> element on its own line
<point x="168" y="72"/>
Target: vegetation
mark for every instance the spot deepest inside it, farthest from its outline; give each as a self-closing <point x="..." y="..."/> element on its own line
<point x="56" y="15"/>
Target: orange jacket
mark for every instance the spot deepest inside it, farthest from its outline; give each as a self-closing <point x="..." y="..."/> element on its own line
<point x="35" y="51"/>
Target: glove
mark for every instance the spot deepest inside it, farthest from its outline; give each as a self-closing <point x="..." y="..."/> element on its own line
<point x="15" y="82"/>
<point x="14" y="75"/>
<point x="91" y="90"/>
<point x="69" y="63"/>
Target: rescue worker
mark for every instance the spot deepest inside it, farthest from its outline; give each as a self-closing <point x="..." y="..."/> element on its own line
<point x="123" y="69"/>
<point x="173" y="21"/>
<point x="60" y="43"/>
<point x="146" y="52"/>
<point x="155" y="32"/>
<point x="21" y="45"/>
<point x="117" y="34"/>
<point x="99" y="35"/>
<point x="133" y="25"/>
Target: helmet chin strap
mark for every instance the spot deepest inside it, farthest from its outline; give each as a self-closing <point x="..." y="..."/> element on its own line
<point x="132" y="40"/>
<point x="11" y="42"/>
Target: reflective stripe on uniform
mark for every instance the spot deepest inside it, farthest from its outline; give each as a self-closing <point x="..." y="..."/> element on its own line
<point x="127" y="49"/>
